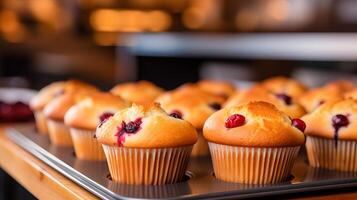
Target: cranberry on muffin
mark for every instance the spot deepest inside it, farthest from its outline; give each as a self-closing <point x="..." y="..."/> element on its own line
<point x="331" y="135"/>
<point x="283" y="102"/>
<point x="284" y="86"/>
<point x="137" y="92"/>
<point x="84" y="117"/>
<point x="138" y="139"/>
<point x="264" y="141"/>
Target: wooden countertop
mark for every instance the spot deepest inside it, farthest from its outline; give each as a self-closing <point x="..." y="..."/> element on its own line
<point x="37" y="177"/>
<point x="46" y="183"/>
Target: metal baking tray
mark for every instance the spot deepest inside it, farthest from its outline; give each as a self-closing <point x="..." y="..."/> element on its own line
<point x="200" y="182"/>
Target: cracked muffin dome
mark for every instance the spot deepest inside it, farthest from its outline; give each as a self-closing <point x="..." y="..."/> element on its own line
<point x="283" y="85"/>
<point x="283" y="102"/>
<point x="255" y="124"/>
<point x="333" y="120"/>
<point x="57" y="108"/>
<point x="220" y="88"/>
<point x="192" y="105"/>
<point x="55" y="89"/>
<point x="318" y="96"/>
<point x="137" y="92"/>
<point x="146" y="126"/>
<point x="94" y="109"/>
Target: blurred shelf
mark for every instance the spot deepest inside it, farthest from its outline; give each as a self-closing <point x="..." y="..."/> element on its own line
<point x="271" y="46"/>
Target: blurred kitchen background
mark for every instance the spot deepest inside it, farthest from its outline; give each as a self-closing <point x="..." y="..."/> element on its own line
<point x="171" y="42"/>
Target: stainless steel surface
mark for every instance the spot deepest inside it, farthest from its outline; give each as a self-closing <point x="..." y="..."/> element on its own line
<point x="200" y="183"/>
<point x="281" y="46"/>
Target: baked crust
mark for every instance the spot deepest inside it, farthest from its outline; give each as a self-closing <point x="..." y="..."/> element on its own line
<point x="281" y="84"/>
<point x="319" y="122"/>
<point x="157" y="130"/>
<point x="86" y="113"/>
<point x="220" y="88"/>
<point x="137" y="92"/>
<point x="265" y="126"/>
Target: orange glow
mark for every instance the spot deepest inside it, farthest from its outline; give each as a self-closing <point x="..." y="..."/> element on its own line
<point x="277" y="10"/>
<point x="109" y="20"/>
<point x="193" y="18"/>
<point x="44" y="10"/>
<point x="10" y="26"/>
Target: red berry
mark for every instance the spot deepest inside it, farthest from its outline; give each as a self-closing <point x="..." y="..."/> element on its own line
<point x="235" y="121"/>
<point x="176" y="114"/>
<point x="339" y="121"/>
<point x="105" y="116"/>
<point x="287" y="99"/>
<point x="299" y="124"/>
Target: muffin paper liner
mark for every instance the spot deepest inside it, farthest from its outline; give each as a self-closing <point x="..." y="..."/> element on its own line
<point x="86" y="145"/>
<point x="201" y="146"/>
<point x="252" y="165"/>
<point x="325" y="153"/>
<point x="147" y="166"/>
<point x="41" y="122"/>
<point x="59" y="133"/>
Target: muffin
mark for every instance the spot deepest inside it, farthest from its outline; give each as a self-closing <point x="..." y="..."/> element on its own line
<point x="283" y="102"/>
<point x="253" y="143"/>
<point x="83" y="119"/>
<point x="331" y="140"/>
<point x="195" y="106"/>
<point x="283" y="85"/>
<point x="340" y="85"/>
<point x="137" y="92"/>
<point x="318" y="96"/>
<point x="55" y="112"/>
<point x="48" y="93"/>
<point x="144" y="145"/>
<point x="220" y="88"/>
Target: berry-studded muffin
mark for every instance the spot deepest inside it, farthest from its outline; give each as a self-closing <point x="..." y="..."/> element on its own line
<point x="55" y="111"/>
<point x="220" y="88"/>
<point x="283" y="102"/>
<point x="145" y="145"/>
<point x="195" y="106"/>
<point x="330" y="92"/>
<point x="137" y="92"/>
<point x="284" y="86"/>
<point x="253" y="143"/>
<point x="83" y="119"/>
<point x="48" y="93"/>
<point x="331" y="140"/>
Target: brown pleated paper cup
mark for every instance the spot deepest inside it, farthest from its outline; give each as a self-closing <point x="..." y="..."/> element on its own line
<point x="201" y="146"/>
<point x="252" y="165"/>
<point x="325" y="153"/>
<point x="147" y="166"/>
<point x="86" y="145"/>
<point x="59" y="133"/>
<point x="41" y="122"/>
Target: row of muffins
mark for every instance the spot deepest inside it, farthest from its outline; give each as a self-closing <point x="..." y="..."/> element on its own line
<point x="265" y="131"/>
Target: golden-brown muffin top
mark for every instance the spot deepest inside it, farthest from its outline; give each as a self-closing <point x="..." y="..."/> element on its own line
<point x="220" y="88"/>
<point x="94" y="109"/>
<point x="254" y="124"/>
<point x="191" y="104"/>
<point x="284" y="85"/>
<point x="334" y="120"/>
<point x="146" y="126"/>
<point x="57" y="108"/>
<point x="137" y="92"/>
<point x="351" y="94"/>
<point x="55" y="89"/>
<point x="283" y="102"/>
<point x="340" y="85"/>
